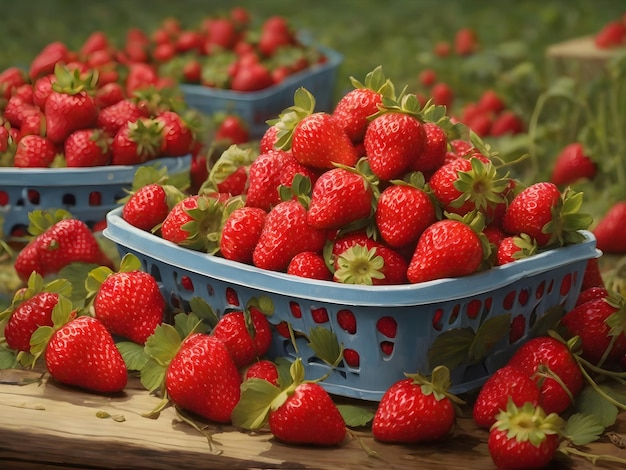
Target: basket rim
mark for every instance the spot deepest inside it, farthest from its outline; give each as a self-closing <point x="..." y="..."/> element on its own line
<point x="244" y="275"/>
<point x="94" y="175"/>
<point x="333" y="61"/>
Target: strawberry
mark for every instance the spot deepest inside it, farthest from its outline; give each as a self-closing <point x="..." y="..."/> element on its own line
<point x="394" y="138"/>
<point x="612" y="34"/>
<point x="26" y="317"/>
<point x="247" y="334"/>
<point x="490" y="101"/>
<point x="608" y="230"/>
<point x="573" y="164"/>
<point x="87" y="147"/>
<point x="34" y="151"/>
<point x="591" y="293"/>
<point x="129" y="304"/>
<point x="262" y="369"/>
<point x="82" y="353"/>
<point x="506" y="122"/>
<point x="434" y="149"/>
<point x="16" y="109"/>
<point x="149" y="205"/>
<point x="355" y="107"/>
<point x="65" y="242"/>
<point x="544" y="357"/>
<point x="235" y="183"/>
<point x="416" y="409"/>
<point x="447" y="248"/>
<point x="137" y="142"/>
<point x="141" y="75"/>
<point x="524" y="437"/>
<point x="33" y="123"/>
<point x="370" y="264"/>
<point x="592" y="276"/>
<point x="403" y="212"/>
<point x="113" y="117"/>
<point x="177" y="136"/>
<point x="310" y="265"/>
<point x="340" y="197"/>
<point x="241" y="232"/>
<point x="506" y="383"/>
<point x="285" y="234"/>
<point x="46" y="60"/>
<point x="70" y="106"/>
<point x="203" y="378"/>
<point x="268" y="140"/>
<point x="465" y="42"/>
<point x="599" y="325"/>
<point x="315" y="139"/>
<point x="252" y="76"/>
<point x="542" y="212"/>
<point x="232" y="130"/>
<point x="515" y="247"/>
<point x="442" y="94"/>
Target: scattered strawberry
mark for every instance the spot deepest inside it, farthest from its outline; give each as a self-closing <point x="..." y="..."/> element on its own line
<point x="608" y="230"/>
<point x="262" y="369"/>
<point x="572" y="164"/>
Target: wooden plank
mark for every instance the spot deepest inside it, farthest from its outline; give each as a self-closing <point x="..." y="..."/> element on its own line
<point x="50" y="426"/>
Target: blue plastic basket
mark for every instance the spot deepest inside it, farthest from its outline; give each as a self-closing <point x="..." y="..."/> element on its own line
<point x="528" y="287"/>
<point x="73" y="189"/>
<point x="256" y="107"/>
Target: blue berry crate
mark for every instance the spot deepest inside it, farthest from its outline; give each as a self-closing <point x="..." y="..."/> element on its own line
<point x="87" y="193"/>
<point x="256" y="107"/>
<point x="422" y="312"/>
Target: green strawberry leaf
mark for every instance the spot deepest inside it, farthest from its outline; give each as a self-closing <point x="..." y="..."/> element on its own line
<point x="95" y="278"/>
<point x="42" y="220"/>
<point x="129" y="263"/>
<point x="489" y="333"/>
<point x="8" y="359"/>
<point x="325" y="345"/>
<point x="163" y="344"/>
<point x="355" y="416"/>
<point x="451" y="348"/>
<point x="76" y="274"/>
<point x="590" y="402"/>
<point x="283" y="366"/>
<point x="203" y="311"/>
<point x="582" y="429"/>
<point x="264" y="303"/>
<point x="254" y="405"/>
<point x="152" y="375"/>
<point x="134" y="354"/>
<point x="547" y="321"/>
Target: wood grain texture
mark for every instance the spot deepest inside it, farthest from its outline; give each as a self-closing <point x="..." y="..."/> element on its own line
<point x="45" y="425"/>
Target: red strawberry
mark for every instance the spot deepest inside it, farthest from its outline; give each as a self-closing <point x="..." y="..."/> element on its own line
<point x="515" y="247"/>
<point x="45" y="61"/>
<point x="491" y="102"/>
<point x="442" y="94"/>
<point x="251" y="76"/>
<point x="340" y="196"/>
<point x="268" y="140"/>
<point x="403" y="212"/>
<point x="524" y="437"/>
<point x="311" y="265"/>
<point x="141" y="75"/>
<point x="82" y="353"/>
<point x="507" y="122"/>
<point x="65" y="242"/>
<point x="285" y="234"/>
<point x="235" y="183"/>
<point x="136" y="142"/>
<point x="612" y="34"/>
<point x="394" y="139"/>
<point x="308" y="416"/>
<point x="434" y="150"/>
<point x="447" y="248"/>
<point x="506" y="383"/>
<point x="16" y="109"/>
<point x="241" y="232"/>
<point x="355" y="107"/>
<point x="87" y="147"/>
<point x="115" y="116"/>
<point x="545" y="354"/>
<point x="203" y="378"/>
<point x="10" y="79"/>
<point x="177" y="137"/>
<point x="27" y="317"/>
<point x="232" y="130"/>
<point x="129" y="304"/>
<point x="572" y="164"/>
<point x="315" y="139"/>
<point x="592" y="276"/>
<point x="599" y="325"/>
<point x="33" y="123"/>
<point x="246" y="334"/>
<point x="34" y="151"/>
<point x="149" y="205"/>
<point x="608" y="230"/>
<point x="465" y="42"/>
<point x="416" y="409"/>
<point x="370" y="264"/>
<point x="262" y="369"/>
<point x="591" y="293"/>
<point x="541" y="211"/>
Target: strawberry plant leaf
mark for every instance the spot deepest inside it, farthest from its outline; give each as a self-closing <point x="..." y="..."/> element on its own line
<point x="325" y="345"/>
<point x="129" y="263"/>
<point x="547" y="321"/>
<point x="451" y="348"/>
<point x="355" y="416"/>
<point x="163" y="344"/>
<point x="76" y="275"/>
<point x="202" y="310"/>
<point x="489" y="333"/>
<point x="152" y="375"/>
<point x="95" y="278"/>
<point x="8" y="359"/>
<point x="590" y="402"/>
<point x="134" y="354"/>
<point x="582" y="429"/>
<point x="254" y="404"/>
<point x="283" y="366"/>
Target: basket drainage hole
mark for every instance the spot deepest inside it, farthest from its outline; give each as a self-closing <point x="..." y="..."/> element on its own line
<point x="347" y="321"/>
<point x="351" y="358"/>
<point x="231" y="297"/>
<point x="387" y="348"/>
<point x="69" y="200"/>
<point x="4" y="198"/>
<point x="95" y="198"/>
<point x="186" y="283"/>
<point x="387" y="326"/>
<point x="295" y="310"/>
<point x="437" y="319"/>
<point x="518" y="328"/>
<point x="320" y="315"/>
<point x="33" y="196"/>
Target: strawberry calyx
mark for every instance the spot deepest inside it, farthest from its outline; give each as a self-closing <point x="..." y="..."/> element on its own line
<point x="72" y="81"/>
<point x="149" y="174"/>
<point x="153" y="100"/>
<point x="481" y="185"/>
<point x="147" y="134"/>
<point x="375" y="81"/>
<point x="97" y="276"/>
<point x="437" y="385"/>
<point x="567" y="220"/>
<point x="288" y="119"/>
<point x="41" y="220"/>
<point x="405" y="103"/>
<point x="526" y="244"/>
<point x="528" y="423"/>
<point x="228" y="162"/>
<point x="359" y="265"/>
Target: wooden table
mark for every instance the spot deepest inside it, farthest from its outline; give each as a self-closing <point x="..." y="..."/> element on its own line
<point x="45" y="425"/>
